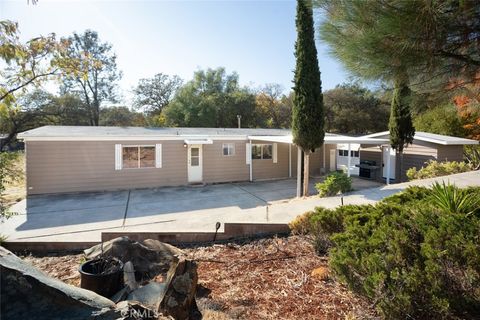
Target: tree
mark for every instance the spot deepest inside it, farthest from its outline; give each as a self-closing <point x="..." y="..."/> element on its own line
<point x="154" y="94"/>
<point x="443" y="119"/>
<point x="212" y="99"/>
<point x="400" y="124"/>
<point x="434" y="41"/>
<point x="8" y="173"/>
<point x="308" y="115"/>
<point x="121" y="116"/>
<point x="273" y="108"/>
<point x="26" y="66"/>
<point x="351" y="109"/>
<point x="96" y="83"/>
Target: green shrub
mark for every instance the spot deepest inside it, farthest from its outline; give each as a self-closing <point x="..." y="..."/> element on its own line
<point x="421" y="263"/>
<point x="454" y="200"/>
<point x="336" y="182"/>
<point x="438" y="169"/>
<point x="413" y="255"/>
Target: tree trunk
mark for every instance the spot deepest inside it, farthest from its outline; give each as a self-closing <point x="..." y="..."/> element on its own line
<point x="306" y="173"/>
<point x="400" y="165"/>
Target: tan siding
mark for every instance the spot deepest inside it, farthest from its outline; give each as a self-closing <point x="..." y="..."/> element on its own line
<point x="266" y="169"/>
<point x="415" y="155"/>
<point x="220" y="168"/>
<point x="450" y="153"/>
<point x="59" y="166"/>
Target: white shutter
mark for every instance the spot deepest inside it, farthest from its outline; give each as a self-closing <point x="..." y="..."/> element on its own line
<point x="118" y="157"/>
<point x="158" y="156"/>
<point x="274" y="151"/>
<point x="248" y="153"/>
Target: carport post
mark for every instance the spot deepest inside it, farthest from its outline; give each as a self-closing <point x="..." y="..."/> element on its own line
<point x="388" y="165"/>
<point x="324" y="168"/>
<point x="251" y="160"/>
<point x="299" y="172"/>
<point x="289" y="160"/>
<point x="348" y="159"/>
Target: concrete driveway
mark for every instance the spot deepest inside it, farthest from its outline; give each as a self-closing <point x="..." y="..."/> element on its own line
<point x="83" y="216"/>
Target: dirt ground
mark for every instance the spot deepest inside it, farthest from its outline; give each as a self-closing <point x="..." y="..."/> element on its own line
<point x="276" y="278"/>
<point x="15" y="190"/>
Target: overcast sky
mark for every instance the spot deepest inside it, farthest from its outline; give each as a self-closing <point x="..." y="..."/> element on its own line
<point x="254" y="38"/>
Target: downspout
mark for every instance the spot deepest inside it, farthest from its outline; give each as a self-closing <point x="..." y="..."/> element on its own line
<point x="289" y="160"/>
<point x="251" y="160"/>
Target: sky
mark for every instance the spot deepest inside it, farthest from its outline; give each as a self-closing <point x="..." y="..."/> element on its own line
<point x="254" y="38"/>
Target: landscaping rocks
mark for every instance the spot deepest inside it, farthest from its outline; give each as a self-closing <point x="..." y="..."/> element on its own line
<point x="28" y="293"/>
<point x="149" y="258"/>
<point x="179" y="298"/>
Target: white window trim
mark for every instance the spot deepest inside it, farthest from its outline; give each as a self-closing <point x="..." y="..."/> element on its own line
<point x="139" y="146"/>
<point x="228" y="145"/>
<point x="261" y="150"/>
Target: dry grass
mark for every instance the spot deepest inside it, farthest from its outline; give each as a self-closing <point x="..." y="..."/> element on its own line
<point x="15" y="190"/>
<point x="278" y="278"/>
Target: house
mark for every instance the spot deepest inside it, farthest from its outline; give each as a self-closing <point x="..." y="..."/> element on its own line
<point x="426" y="146"/>
<point x="74" y="158"/>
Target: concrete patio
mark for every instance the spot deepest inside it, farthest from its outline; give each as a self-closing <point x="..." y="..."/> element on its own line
<point x="82" y="217"/>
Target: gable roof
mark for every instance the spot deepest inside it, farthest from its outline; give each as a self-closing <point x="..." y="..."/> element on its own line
<point x="430" y="137"/>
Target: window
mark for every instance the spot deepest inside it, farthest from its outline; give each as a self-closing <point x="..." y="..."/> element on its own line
<point x="138" y="157"/>
<point x="262" y="151"/>
<point x="228" y="149"/>
<point x="355" y="154"/>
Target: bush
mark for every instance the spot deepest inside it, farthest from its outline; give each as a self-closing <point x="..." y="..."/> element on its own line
<point x="438" y="169"/>
<point x="415" y="254"/>
<point x="334" y="183"/>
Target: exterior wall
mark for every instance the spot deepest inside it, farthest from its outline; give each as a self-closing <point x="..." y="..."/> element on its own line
<point x="450" y="153"/>
<point x="72" y="166"/>
<point x="316" y="160"/>
<point x="415" y="155"/>
<point x="266" y="169"/>
<point x="220" y="168"/>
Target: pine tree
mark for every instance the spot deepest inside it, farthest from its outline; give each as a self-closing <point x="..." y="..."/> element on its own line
<point x="400" y="124"/>
<point x="308" y="115"/>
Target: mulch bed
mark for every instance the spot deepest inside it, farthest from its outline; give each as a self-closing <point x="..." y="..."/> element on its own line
<point x="275" y="278"/>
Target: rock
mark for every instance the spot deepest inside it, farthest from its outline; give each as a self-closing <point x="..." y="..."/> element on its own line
<point x="149" y="295"/>
<point x="321" y="273"/>
<point x="133" y="310"/>
<point x="149" y="258"/>
<point x="129" y="276"/>
<point x="28" y="293"/>
<point x="179" y="299"/>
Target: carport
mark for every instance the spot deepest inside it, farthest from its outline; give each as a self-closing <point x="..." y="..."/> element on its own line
<point x="329" y="139"/>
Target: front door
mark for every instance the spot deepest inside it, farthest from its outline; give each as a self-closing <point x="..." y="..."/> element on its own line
<point x="195" y="163"/>
<point x="392" y="162"/>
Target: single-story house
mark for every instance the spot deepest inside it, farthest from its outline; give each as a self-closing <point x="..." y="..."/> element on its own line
<point x="75" y="158"/>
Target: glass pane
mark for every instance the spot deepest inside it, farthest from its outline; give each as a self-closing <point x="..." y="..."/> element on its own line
<point x="256" y="151"/>
<point x="194" y="152"/>
<point x="195" y="161"/>
<point x="225" y="150"/>
<point x="340" y="152"/>
<point x="130" y="157"/>
<point x="147" y="157"/>
<point x="267" y="151"/>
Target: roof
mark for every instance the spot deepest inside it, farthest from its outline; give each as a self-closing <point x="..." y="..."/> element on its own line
<point x="115" y="133"/>
<point x="329" y="139"/>
<point x="92" y="133"/>
<point x="430" y="137"/>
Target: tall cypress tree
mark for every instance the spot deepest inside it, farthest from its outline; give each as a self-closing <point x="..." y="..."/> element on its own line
<point x="308" y="115"/>
<point x="400" y="124"/>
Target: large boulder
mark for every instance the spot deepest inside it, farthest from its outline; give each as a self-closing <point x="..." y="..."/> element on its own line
<point x="149" y="258"/>
<point x="28" y="293"/>
<point x="178" y="300"/>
